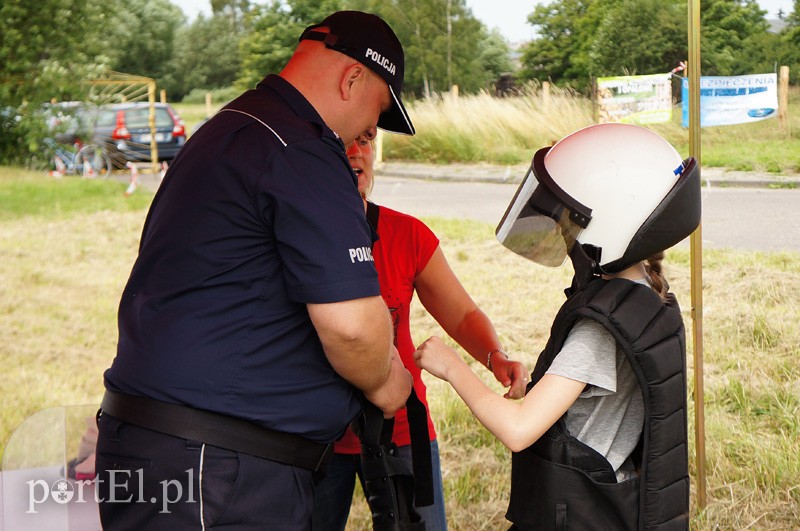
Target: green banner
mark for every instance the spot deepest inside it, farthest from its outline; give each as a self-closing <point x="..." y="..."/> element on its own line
<point x="635" y="99"/>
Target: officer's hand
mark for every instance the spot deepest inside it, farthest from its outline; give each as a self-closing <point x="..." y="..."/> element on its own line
<point x="393" y="394"/>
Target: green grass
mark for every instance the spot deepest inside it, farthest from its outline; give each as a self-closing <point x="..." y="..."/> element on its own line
<point x="68" y="245"/>
<point x="758" y="146"/>
<point x="36" y="194"/>
<point x="193" y="113"/>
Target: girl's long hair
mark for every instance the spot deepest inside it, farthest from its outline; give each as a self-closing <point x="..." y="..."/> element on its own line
<point x="654" y="269"/>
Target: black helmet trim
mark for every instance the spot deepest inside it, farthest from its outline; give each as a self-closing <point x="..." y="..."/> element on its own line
<point x="542" y="223"/>
<point x="676" y="217"/>
<point x="580" y="214"/>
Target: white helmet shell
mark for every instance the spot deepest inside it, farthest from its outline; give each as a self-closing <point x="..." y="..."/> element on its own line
<point x="622" y="172"/>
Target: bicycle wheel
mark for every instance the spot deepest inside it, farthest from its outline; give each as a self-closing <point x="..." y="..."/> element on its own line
<point x="92" y="162"/>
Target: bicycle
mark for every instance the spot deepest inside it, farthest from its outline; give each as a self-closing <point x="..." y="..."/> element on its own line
<point x="89" y="160"/>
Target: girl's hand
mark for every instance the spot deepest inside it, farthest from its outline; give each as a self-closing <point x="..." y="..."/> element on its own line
<point x="436" y="357"/>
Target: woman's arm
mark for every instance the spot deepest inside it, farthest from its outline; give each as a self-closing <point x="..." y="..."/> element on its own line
<point x="443" y="296"/>
<point x="516" y="424"/>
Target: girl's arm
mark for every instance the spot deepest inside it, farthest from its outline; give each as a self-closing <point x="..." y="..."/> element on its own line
<point x="443" y="296"/>
<point x="516" y="424"/>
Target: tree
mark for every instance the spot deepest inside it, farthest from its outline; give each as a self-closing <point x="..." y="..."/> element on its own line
<point x="560" y="35"/>
<point x="147" y="43"/>
<point x="582" y="37"/>
<point x="730" y="30"/>
<point x="478" y="55"/>
<point x="273" y="30"/>
<point x="495" y="57"/>
<point x="206" y="55"/>
<point x="639" y="37"/>
<point x="442" y="40"/>
<point x="790" y="43"/>
<point x="765" y="51"/>
<point x="236" y="10"/>
<point x="48" y="49"/>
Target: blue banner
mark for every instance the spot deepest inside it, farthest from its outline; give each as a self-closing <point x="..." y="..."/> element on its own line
<point x="733" y="100"/>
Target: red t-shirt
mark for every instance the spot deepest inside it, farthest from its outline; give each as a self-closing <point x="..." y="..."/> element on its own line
<point x="402" y="252"/>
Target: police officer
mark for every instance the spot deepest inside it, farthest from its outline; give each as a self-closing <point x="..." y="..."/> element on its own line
<point x="252" y="316"/>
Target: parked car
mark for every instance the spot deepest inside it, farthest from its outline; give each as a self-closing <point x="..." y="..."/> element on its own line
<point x="124" y="130"/>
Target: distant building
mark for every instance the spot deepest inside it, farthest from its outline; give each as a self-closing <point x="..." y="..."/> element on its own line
<point x="515" y="53"/>
<point x="776" y="25"/>
<point x="506" y="86"/>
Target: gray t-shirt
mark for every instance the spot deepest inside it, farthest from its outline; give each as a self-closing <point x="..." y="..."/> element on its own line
<point x="609" y="414"/>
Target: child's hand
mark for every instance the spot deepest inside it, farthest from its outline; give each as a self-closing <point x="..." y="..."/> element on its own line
<point x="436" y="357"/>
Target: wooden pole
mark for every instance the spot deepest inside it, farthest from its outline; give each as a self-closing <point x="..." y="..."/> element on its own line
<point x="208" y="105"/>
<point x="783" y="99"/>
<point x="696" y="256"/>
<point x="151" y="98"/>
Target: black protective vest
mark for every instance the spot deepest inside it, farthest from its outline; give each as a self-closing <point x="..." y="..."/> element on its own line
<point x="561" y="483"/>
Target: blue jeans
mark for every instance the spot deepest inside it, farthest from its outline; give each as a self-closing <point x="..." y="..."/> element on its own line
<point x="333" y="492"/>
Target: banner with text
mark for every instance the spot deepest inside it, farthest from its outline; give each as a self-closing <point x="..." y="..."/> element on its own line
<point x="734" y="100"/>
<point x="635" y="99"/>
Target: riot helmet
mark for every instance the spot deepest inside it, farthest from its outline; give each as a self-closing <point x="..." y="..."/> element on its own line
<point x="607" y="195"/>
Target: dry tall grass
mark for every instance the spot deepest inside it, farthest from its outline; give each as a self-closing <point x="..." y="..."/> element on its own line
<point x="474" y="128"/>
<point x="482" y="128"/>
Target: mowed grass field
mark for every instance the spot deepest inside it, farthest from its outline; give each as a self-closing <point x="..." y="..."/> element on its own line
<point x="67" y="247"/>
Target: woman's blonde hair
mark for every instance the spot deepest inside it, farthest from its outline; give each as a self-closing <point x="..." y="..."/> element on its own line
<point x="371" y="185"/>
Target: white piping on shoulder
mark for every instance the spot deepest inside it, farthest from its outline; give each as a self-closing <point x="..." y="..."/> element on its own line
<point x="259" y="121"/>
<point x="200" y="487"/>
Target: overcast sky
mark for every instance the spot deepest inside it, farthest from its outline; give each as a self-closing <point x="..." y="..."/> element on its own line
<point x="510" y="16"/>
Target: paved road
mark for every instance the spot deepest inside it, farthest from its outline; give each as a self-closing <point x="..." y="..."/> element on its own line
<point x="739" y="210"/>
<point x="738" y="218"/>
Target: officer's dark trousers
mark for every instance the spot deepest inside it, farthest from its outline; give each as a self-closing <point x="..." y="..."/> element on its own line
<point x="147" y="480"/>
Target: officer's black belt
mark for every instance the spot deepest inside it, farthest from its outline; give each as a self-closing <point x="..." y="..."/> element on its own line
<point x="215" y="429"/>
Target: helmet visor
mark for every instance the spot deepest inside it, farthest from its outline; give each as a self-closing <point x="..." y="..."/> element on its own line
<point x="542" y="222"/>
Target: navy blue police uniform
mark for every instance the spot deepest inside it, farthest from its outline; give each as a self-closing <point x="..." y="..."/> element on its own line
<point x="258" y="216"/>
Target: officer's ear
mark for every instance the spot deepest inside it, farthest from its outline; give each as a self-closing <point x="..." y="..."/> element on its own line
<point x="353" y="75"/>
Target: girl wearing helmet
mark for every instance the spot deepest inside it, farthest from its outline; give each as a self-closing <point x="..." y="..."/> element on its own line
<point x="600" y="439"/>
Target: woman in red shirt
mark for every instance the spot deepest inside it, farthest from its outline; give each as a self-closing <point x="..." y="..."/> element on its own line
<point x="408" y="258"/>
